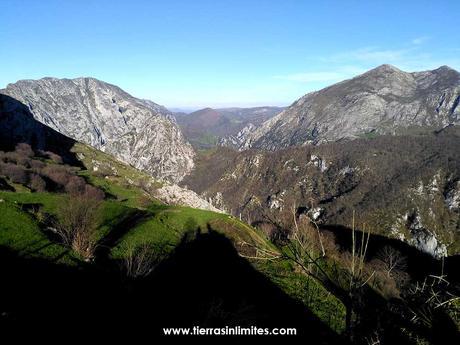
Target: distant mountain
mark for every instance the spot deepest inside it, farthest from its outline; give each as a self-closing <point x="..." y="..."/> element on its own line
<point x="205" y="127"/>
<point x="384" y="100"/>
<point x="183" y="111"/>
<point x="138" y="132"/>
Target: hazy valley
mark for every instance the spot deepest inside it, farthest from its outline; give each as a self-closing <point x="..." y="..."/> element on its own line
<point x="208" y="127"/>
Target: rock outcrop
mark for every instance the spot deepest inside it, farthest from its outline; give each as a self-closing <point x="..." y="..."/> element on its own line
<point x="173" y="194"/>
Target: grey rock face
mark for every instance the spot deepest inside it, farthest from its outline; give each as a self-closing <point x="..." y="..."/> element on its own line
<point x="238" y="140"/>
<point x="176" y="195"/>
<point x="138" y="132"/>
<point x="453" y="197"/>
<point x="381" y="101"/>
<point x="424" y="239"/>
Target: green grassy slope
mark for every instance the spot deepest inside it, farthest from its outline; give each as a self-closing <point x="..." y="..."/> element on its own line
<point x="130" y="218"/>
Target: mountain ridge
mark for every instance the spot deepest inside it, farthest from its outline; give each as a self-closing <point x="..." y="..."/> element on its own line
<point x="382" y="100"/>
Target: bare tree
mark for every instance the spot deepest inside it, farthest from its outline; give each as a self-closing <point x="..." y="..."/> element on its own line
<point x="306" y="248"/>
<point x="77" y="223"/>
<point x="304" y="245"/>
<point x="392" y="259"/>
<point x="316" y="255"/>
<point x="357" y="277"/>
<point x="141" y="260"/>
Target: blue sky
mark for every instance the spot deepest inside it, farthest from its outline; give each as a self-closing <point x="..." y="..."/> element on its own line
<point x="192" y="54"/>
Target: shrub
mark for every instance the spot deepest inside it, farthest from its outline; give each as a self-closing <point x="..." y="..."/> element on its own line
<point x="144" y="184"/>
<point x="330" y="245"/>
<point x="75" y="186"/>
<point x="23" y="160"/>
<point x="58" y="174"/>
<point x="37" y="184"/>
<point x="11" y="157"/>
<point x="77" y="223"/>
<point x="94" y="193"/>
<point x="144" y="201"/>
<point x="54" y="157"/>
<point x="382" y="281"/>
<point x="22" y="155"/>
<point x="270" y="230"/>
<point x="15" y="173"/>
<point x="141" y="260"/>
<point x="36" y="165"/>
<point x="24" y="150"/>
<point x="39" y="215"/>
<point x="51" y="155"/>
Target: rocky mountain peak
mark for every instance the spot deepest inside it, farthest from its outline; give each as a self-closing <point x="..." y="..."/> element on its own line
<point x="386" y="68"/>
<point x="139" y="132"/>
<point x="382" y="100"/>
<point x="445" y="68"/>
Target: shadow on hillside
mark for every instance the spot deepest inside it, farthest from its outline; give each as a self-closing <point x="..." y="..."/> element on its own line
<point x="5" y="185"/>
<point x="203" y="283"/>
<point x="393" y="315"/>
<point x="121" y="227"/>
<point x="17" y="125"/>
<point x="419" y="264"/>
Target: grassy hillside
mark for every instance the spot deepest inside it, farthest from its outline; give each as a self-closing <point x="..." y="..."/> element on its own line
<point x="129" y="220"/>
<point x="126" y="195"/>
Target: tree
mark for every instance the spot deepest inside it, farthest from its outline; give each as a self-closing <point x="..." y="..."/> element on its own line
<point x="141" y="260"/>
<point x="392" y="260"/>
<point x="307" y="250"/>
<point x="306" y="247"/>
<point x="77" y="223"/>
<point x="358" y="277"/>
